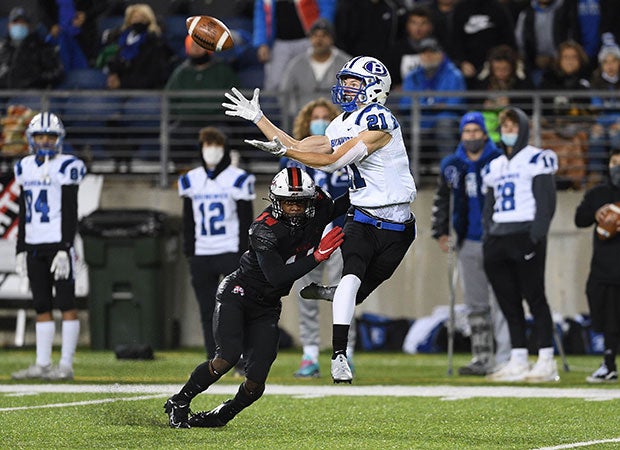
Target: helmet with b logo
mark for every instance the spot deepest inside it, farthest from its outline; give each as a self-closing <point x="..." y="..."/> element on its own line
<point x="45" y="123"/>
<point x="375" y="87"/>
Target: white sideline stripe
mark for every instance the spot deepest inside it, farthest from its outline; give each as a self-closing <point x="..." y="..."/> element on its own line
<point x="85" y="402"/>
<point x="445" y="392"/>
<point x="580" y="444"/>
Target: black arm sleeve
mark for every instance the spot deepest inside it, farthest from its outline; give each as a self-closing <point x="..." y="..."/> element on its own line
<point x="189" y="225"/>
<point x="69" y="211"/>
<point x="341" y="205"/>
<point x="487" y="212"/>
<point x="21" y="227"/>
<point x="586" y="211"/>
<point x="279" y="274"/>
<point x="543" y="188"/>
<point x="245" y="211"/>
<point x="440" y="220"/>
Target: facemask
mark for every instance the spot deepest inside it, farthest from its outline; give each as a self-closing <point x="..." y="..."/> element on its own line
<point x="614" y="176"/>
<point x="139" y="27"/>
<point x="199" y="60"/>
<point x="510" y="139"/>
<point x="318" y="127"/>
<point x="212" y="155"/>
<point x="473" y="145"/>
<point x="19" y="31"/>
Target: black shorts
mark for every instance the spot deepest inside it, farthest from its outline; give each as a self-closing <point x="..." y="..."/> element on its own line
<point x="42" y="281"/>
<point x="242" y="325"/>
<point x="604" y="304"/>
<point x="373" y="254"/>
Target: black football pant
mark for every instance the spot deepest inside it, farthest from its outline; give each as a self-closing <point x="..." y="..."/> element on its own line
<point x="514" y="278"/>
<point x="206" y="271"/>
<point x="42" y="281"/>
<point x="246" y="325"/>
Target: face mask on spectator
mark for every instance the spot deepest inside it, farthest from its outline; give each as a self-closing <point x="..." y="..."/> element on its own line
<point x="18" y="31"/>
<point x="139" y="27"/>
<point x="318" y="127"/>
<point x="212" y="154"/>
<point x="614" y="176"/>
<point x="473" y="145"/>
<point x="510" y="139"/>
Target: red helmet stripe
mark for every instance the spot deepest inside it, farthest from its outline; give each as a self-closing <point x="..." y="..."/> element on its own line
<point x="294" y="179"/>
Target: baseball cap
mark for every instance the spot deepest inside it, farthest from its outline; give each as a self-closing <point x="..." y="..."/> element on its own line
<point x="323" y="25"/>
<point x="18" y="13"/>
<point x="429" y="44"/>
<point x="473" y="117"/>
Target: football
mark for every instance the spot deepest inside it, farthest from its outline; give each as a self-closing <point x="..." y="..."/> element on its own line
<point x="608" y="227"/>
<point x="209" y="33"/>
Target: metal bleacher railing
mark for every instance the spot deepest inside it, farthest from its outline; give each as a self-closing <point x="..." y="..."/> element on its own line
<point x="154" y="133"/>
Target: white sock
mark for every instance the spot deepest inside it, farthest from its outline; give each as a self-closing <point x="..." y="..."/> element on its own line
<point x="70" y="335"/>
<point x="312" y="351"/>
<point x="344" y="300"/>
<point x="545" y="353"/>
<point x="519" y="355"/>
<point x="45" y="338"/>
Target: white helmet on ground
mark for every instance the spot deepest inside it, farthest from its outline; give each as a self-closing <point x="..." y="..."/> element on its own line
<point x="376" y="83"/>
<point x="45" y="123"/>
<point x="292" y="184"/>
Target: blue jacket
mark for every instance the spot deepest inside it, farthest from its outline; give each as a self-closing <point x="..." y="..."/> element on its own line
<point x="461" y="177"/>
<point x="447" y="78"/>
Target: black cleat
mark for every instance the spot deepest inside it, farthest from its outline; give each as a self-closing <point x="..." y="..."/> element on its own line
<point x="208" y="419"/>
<point x="178" y="413"/>
<point x="318" y="292"/>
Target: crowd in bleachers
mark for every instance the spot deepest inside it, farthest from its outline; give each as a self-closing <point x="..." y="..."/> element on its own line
<point x="490" y="47"/>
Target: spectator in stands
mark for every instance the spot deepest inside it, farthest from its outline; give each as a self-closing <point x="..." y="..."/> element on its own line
<point x="439" y="114"/>
<point x="142" y="59"/>
<point x="540" y="29"/>
<point x="610" y="11"/>
<point x="280" y="32"/>
<point x="605" y="133"/>
<point x="587" y="15"/>
<point x="503" y="71"/>
<point x="369" y="27"/>
<point x="442" y="16"/>
<point x="312" y="73"/>
<point x="198" y="72"/>
<point x="72" y="25"/>
<point x="26" y="62"/>
<point x="403" y="56"/>
<point x="479" y="25"/>
<point x="566" y="118"/>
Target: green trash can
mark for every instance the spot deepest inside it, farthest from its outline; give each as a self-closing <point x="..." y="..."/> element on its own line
<point x="132" y="258"/>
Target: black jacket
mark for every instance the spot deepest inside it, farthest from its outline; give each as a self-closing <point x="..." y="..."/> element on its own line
<point x="31" y="65"/>
<point x="605" y="262"/>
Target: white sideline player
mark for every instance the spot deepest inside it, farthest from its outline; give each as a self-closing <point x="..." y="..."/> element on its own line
<point x="48" y="220"/>
<point x="366" y="139"/>
<point x="519" y="205"/>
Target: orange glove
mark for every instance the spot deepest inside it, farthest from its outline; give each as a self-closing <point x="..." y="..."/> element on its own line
<point x="330" y="242"/>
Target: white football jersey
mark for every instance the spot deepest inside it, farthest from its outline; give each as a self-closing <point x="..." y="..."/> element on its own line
<point x="383" y="178"/>
<point x="511" y="181"/>
<point x="42" y="189"/>
<point x="215" y="209"/>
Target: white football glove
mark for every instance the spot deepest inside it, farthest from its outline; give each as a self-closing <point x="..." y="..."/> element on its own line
<point x="242" y="107"/>
<point x="61" y="268"/>
<point x="275" y="147"/>
<point x="21" y="265"/>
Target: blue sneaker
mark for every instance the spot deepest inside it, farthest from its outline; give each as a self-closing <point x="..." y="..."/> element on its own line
<point x="307" y="369"/>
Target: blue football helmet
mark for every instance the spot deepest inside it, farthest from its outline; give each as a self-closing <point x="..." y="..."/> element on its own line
<point x="376" y="83"/>
<point x="45" y="123"/>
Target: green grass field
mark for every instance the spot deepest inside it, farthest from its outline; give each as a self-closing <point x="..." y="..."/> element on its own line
<point x="397" y="401"/>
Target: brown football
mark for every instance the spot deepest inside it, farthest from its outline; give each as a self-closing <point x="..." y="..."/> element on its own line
<point x="608" y="227"/>
<point x="209" y="33"/>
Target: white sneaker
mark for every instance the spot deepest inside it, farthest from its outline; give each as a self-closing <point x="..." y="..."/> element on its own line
<point x="33" y="372"/>
<point x="59" y="373"/>
<point x="543" y="370"/>
<point x="341" y="372"/>
<point x="513" y="371"/>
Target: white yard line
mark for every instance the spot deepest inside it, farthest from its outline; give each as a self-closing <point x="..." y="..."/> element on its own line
<point x="444" y="392"/>
<point x="85" y="402"/>
<point x="580" y="444"/>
